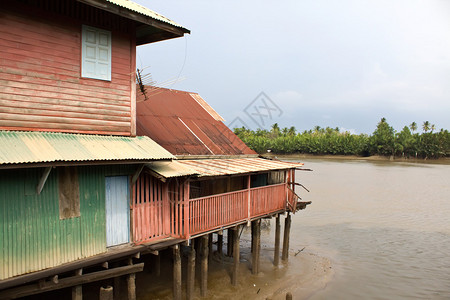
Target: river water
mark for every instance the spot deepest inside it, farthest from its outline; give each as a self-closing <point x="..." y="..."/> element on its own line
<point x="384" y="225"/>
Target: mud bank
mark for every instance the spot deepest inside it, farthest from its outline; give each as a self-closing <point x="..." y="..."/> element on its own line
<point x="304" y="274"/>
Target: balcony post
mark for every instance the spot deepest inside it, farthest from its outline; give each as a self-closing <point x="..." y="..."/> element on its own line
<point x="186" y="209"/>
<point x="249" y="198"/>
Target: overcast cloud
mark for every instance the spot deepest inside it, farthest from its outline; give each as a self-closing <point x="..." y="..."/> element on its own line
<point x="329" y="63"/>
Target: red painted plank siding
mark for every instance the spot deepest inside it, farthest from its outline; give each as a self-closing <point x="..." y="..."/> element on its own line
<point x="40" y="77"/>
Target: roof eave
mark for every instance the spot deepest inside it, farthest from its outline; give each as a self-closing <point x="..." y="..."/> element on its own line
<point x="168" y="31"/>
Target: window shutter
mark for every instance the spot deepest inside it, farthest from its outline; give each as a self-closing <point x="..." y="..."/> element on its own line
<point x="96" y="53"/>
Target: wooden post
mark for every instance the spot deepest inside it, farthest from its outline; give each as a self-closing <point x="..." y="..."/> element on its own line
<point x="77" y="291"/>
<point x="276" y="256"/>
<point x="256" y="246"/>
<point x="236" y="256"/>
<point x="158" y="265"/>
<point x="288" y="296"/>
<point x="190" y="278"/>
<point x="204" y="267"/>
<point x="210" y="246"/>
<point x="230" y="242"/>
<point x="117" y="287"/>
<point x="106" y="293"/>
<point x="176" y="273"/>
<point x="131" y="283"/>
<point x="287" y="229"/>
<point x="220" y="244"/>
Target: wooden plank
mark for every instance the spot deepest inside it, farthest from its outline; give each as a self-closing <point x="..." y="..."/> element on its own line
<point x="70" y="281"/>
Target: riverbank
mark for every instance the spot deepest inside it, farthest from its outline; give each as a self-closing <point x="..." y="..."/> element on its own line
<point x="303" y="275"/>
<point x="298" y="156"/>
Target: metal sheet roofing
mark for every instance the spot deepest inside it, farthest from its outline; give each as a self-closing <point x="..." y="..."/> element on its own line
<point x="178" y="122"/>
<point x="19" y="147"/>
<point x="170" y="169"/>
<point x="133" y="6"/>
<point x="220" y="167"/>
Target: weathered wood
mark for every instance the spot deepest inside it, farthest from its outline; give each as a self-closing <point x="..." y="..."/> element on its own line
<point x="230" y="242"/>
<point x="236" y="257"/>
<point x="43" y="179"/>
<point x="204" y="266"/>
<point x="288" y="296"/>
<point x="69" y="282"/>
<point x="118" y="287"/>
<point x="220" y="244"/>
<point x="190" y="278"/>
<point x="77" y="291"/>
<point x="158" y="265"/>
<point x="106" y="293"/>
<point x="256" y="241"/>
<point x="131" y="284"/>
<point x="176" y="273"/>
<point x="287" y="229"/>
<point x="210" y="246"/>
<point x="276" y="255"/>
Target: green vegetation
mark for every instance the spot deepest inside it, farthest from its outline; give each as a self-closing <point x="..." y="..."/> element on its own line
<point x="384" y="141"/>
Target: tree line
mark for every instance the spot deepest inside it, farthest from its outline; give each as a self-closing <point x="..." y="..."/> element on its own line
<point x="384" y="141"/>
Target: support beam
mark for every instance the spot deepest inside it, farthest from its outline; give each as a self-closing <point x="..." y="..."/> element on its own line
<point x="176" y="273"/>
<point x="43" y="179"/>
<point x="229" y="242"/>
<point x="220" y="244"/>
<point x="204" y="266"/>
<point x="131" y="283"/>
<point x="236" y="256"/>
<point x="190" y="278"/>
<point x="276" y="255"/>
<point x="106" y="293"/>
<point x="136" y="174"/>
<point x="158" y="265"/>
<point x="77" y="291"/>
<point x="32" y="289"/>
<point x="117" y="291"/>
<point x="287" y="229"/>
<point x="256" y="245"/>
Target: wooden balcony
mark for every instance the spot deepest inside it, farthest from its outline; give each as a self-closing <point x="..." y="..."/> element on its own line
<point x="161" y="211"/>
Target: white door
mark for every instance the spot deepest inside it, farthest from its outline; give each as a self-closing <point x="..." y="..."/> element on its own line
<point x="117" y="210"/>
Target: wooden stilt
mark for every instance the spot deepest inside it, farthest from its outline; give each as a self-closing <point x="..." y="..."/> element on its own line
<point x="256" y="246"/>
<point x="236" y="256"/>
<point x="288" y="296"/>
<point x="220" y="244"/>
<point x="117" y="287"/>
<point x="210" y="246"/>
<point x="229" y="242"/>
<point x="190" y="278"/>
<point x="77" y="291"/>
<point x="131" y="283"/>
<point x="158" y="265"/>
<point x="176" y="273"/>
<point x="287" y="229"/>
<point x="204" y="267"/>
<point x="276" y="255"/>
<point x="106" y="293"/>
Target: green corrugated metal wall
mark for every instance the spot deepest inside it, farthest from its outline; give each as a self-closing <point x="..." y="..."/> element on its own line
<point x="32" y="237"/>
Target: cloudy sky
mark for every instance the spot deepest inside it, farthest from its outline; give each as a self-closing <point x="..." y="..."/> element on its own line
<point x="345" y="63"/>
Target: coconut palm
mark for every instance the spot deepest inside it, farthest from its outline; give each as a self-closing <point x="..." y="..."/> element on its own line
<point x="426" y="126"/>
<point x="413" y="126"/>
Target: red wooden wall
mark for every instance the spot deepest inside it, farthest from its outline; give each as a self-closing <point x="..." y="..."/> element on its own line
<point x="40" y="71"/>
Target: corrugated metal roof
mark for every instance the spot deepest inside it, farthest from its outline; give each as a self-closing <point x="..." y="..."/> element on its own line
<point x="219" y="167"/>
<point x="18" y="147"/>
<point x="183" y="126"/>
<point x="170" y="169"/>
<point x="130" y="5"/>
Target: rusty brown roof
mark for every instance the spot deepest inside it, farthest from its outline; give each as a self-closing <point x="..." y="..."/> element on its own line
<point x="185" y="125"/>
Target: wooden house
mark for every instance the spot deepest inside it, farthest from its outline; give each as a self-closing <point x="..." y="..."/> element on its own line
<point x="69" y="154"/>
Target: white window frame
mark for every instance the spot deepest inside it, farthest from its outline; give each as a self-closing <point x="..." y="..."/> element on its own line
<point x="95" y="53"/>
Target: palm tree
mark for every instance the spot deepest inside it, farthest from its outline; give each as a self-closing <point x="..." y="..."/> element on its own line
<point x="426" y="126"/>
<point x="433" y="127"/>
<point x="413" y="126"/>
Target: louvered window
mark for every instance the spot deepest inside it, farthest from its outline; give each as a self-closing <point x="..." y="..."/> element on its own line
<point x="96" y="53"/>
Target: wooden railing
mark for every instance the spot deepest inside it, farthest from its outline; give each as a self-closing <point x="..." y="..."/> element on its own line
<point x="208" y="213"/>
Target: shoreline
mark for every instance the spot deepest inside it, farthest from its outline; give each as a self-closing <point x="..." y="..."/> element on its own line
<point x="442" y="161"/>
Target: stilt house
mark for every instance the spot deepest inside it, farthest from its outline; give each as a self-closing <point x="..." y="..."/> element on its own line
<point x="69" y="154"/>
<point x="228" y="183"/>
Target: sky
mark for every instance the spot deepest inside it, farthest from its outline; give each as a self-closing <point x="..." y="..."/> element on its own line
<point x="345" y="63"/>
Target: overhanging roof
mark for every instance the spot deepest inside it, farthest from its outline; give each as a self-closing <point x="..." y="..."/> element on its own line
<point x="169" y="169"/>
<point x="221" y="167"/>
<point x="154" y="27"/>
<point x="21" y="147"/>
